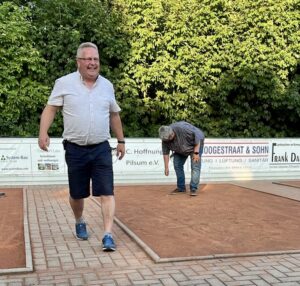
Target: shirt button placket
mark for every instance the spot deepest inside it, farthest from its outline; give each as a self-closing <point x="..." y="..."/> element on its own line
<point x="91" y="115"/>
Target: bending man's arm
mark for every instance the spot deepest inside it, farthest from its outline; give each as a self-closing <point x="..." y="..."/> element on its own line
<point x="47" y="118"/>
<point x="196" y="157"/>
<point x="116" y="127"/>
<point x="166" y="162"/>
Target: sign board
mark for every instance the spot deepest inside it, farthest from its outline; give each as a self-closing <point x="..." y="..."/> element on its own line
<point x="22" y="161"/>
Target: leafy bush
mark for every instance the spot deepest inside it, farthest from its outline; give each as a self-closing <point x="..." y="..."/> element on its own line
<point x="229" y="67"/>
<point x="22" y="95"/>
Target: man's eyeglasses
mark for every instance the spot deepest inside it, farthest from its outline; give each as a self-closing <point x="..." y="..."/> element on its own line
<point x="89" y="59"/>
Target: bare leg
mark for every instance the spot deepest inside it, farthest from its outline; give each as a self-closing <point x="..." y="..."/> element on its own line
<point x="108" y="212"/>
<point x="77" y="207"/>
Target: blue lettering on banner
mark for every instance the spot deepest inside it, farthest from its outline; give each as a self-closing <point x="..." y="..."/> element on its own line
<point x="245" y="150"/>
<point x="223" y="149"/>
<point x="260" y="149"/>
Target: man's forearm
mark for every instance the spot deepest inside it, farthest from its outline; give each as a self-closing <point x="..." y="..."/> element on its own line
<point x="116" y="126"/>
<point x="166" y="161"/>
<point x="197" y="148"/>
<point x="47" y="118"/>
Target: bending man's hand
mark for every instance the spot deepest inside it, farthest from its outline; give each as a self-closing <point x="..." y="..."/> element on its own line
<point x="167" y="171"/>
<point x="196" y="158"/>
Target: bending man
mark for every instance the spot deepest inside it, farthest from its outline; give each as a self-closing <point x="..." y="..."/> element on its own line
<point x="185" y="140"/>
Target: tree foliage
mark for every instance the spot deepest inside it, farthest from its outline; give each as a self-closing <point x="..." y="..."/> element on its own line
<point x="61" y="25"/>
<point x="57" y="27"/>
<point x="21" y="92"/>
<point x="230" y="67"/>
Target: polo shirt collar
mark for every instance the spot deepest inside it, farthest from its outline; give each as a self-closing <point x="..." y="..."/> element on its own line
<point x="81" y="78"/>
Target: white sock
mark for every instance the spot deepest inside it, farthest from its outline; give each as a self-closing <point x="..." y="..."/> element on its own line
<point x="107" y="233"/>
<point x="80" y="220"/>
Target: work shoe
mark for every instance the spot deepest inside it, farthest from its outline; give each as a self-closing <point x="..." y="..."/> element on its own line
<point x="193" y="193"/>
<point x="108" y="243"/>
<point x="178" y="191"/>
<point x="81" y="232"/>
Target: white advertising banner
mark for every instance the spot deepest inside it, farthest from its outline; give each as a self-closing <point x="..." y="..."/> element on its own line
<point x="22" y="162"/>
<point x="15" y="159"/>
<point x="142" y="155"/>
<point x="285" y="154"/>
<point x="51" y="162"/>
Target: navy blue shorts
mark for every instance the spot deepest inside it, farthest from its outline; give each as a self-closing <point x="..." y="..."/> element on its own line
<point x="86" y="164"/>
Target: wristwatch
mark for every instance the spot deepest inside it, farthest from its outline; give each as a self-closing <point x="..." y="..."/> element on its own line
<point x="196" y="153"/>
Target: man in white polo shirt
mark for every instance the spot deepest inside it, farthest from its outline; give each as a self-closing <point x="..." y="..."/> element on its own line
<point x="89" y="109"/>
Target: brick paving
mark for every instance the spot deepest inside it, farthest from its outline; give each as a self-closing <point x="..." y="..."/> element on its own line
<point x="60" y="259"/>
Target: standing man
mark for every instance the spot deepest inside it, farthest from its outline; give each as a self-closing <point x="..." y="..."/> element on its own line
<point x="89" y="109"/>
<point x="185" y="140"/>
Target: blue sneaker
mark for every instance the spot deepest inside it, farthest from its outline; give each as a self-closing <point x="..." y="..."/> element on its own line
<point x="81" y="232"/>
<point x="108" y="243"/>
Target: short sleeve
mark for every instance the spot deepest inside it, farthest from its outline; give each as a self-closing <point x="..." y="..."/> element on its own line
<point x="56" y="97"/>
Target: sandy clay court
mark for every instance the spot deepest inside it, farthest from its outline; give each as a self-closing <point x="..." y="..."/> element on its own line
<point x="224" y="220"/>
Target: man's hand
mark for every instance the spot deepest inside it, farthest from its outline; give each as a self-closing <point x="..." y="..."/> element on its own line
<point x="167" y="171"/>
<point x="120" y="151"/>
<point x="44" y="142"/>
<point x="196" y="158"/>
<point x="46" y="121"/>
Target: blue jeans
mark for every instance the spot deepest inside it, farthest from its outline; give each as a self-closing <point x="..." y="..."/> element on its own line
<point x="179" y="161"/>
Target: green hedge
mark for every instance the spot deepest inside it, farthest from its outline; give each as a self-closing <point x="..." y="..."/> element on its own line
<point x="229" y="67"/>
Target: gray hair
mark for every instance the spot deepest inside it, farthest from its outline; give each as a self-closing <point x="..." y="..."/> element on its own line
<point x="85" y="45"/>
<point x="165" y="132"/>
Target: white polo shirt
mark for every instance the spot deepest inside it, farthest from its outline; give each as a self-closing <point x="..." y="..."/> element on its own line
<point x="86" y="112"/>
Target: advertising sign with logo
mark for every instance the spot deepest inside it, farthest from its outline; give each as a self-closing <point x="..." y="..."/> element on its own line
<point x="235" y="157"/>
<point x="15" y="159"/>
<point x="51" y="162"/>
<point x="21" y="160"/>
<point x="141" y="155"/>
<point x="285" y="154"/>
